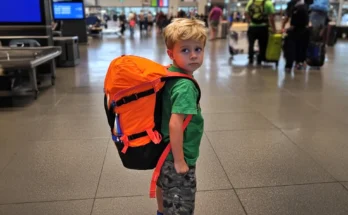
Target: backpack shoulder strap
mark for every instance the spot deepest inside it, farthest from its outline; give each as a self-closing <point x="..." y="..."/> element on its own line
<point x="176" y="75"/>
<point x="263" y="6"/>
<point x="156" y="173"/>
<point x="162" y="159"/>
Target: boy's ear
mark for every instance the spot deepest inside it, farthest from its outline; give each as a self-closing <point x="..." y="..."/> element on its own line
<point x="170" y="53"/>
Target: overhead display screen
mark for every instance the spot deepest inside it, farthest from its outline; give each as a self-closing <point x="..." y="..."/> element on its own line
<point x="20" y="11"/>
<point x="68" y="10"/>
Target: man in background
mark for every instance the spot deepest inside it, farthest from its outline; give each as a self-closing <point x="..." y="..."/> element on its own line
<point x="297" y="39"/>
<point x="259" y="15"/>
<point x="214" y="21"/>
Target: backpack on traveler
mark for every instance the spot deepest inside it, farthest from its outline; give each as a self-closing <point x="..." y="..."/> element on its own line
<point x="133" y="104"/>
<point x="257" y="12"/>
<point x="320" y="5"/>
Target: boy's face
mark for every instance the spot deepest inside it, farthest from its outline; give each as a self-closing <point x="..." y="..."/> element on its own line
<point x="187" y="55"/>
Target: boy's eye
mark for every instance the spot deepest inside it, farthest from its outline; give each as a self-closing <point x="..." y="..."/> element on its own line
<point x="185" y="50"/>
<point x="198" y="49"/>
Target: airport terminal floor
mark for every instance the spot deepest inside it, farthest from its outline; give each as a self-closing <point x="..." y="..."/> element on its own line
<point x="274" y="143"/>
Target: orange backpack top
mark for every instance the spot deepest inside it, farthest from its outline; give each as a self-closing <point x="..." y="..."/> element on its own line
<point x="132" y="102"/>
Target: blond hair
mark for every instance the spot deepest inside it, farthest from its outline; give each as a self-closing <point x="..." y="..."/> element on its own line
<point x="184" y="29"/>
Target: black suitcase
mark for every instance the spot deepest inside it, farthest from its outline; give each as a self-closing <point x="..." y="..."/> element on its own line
<point x="316" y="54"/>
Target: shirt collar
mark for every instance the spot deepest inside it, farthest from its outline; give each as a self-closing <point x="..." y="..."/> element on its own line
<point x="173" y="68"/>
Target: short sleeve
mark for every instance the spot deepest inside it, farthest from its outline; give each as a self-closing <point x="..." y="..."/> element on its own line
<point x="248" y="5"/>
<point x="269" y="8"/>
<point x="184" y="95"/>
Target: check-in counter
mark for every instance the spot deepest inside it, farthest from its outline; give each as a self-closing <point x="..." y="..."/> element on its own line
<point x="18" y="63"/>
<point x="70" y="56"/>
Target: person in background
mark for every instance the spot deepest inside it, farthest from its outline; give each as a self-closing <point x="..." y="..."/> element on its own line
<point x="170" y="19"/>
<point x="230" y="18"/>
<point x="123" y="20"/>
<point x="297" y="39"/>
<point x="115" y="17"/>
<point x="238" y="16"/>
<point x="56" y="29"/>
<point x="319" y="19"/>
<point x="259" y="15"/>
<point x="132" y="23"/>
<point x="149" y="21"/>
<point x="214" y="21"/>
<point x="142" y="22"/>
<point x="181" y="14"/>
<point x="131" y="15"/>
<point x="56" y="26"/>
<point x="160" y="19"/>
<point x="166" y="21"/>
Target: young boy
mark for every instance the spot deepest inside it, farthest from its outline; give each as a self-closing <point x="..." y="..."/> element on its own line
<point x="176" y="187"/>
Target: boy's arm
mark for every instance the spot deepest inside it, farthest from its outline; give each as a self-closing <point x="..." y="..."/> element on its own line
<point x="176" y="140"/>
<point x="184" y="96"/>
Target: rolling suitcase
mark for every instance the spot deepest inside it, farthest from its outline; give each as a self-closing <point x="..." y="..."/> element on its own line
<point x="233" y="46"/>
<point x="316" y="54"/>
<point x="274" y="48"/>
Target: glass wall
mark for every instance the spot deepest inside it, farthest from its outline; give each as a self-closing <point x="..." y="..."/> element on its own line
<point x="344" y="20"/>
<point x="237" y="10"/>
<point x="333" y="12"/>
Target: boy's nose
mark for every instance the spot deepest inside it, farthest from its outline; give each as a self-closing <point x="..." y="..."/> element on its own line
<point x="193" y="55"/>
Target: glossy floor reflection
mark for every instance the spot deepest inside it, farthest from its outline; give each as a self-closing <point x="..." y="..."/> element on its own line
<point x="274" y="143"/>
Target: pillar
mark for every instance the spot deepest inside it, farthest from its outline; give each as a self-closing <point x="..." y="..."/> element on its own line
<point x="201" y="6"/>
<point x="339" y="16"/>
<point x="173" y="7"/>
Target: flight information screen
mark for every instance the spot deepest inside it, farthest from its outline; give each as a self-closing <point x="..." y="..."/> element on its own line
<point x="68" y="10"/>
<point x="20" y="11"/>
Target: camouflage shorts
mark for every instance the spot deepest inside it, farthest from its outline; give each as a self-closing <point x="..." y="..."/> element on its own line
<point x="179" y="190"/>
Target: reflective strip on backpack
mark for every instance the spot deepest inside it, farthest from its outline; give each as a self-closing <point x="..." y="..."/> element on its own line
<point x="117" y="128"/>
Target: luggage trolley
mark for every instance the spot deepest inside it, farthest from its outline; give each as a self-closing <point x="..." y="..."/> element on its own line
<point x="238" y="40"/>
<point x="233" y="44"/>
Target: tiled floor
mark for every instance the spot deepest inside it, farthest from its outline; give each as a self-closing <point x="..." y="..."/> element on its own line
<point x="274" y="143"/>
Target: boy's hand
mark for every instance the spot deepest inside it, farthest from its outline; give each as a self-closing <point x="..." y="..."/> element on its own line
<point x="181" y="167"/>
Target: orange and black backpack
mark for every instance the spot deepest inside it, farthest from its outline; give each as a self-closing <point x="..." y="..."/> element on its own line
<point x="133" y="105"/>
